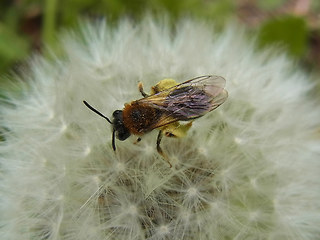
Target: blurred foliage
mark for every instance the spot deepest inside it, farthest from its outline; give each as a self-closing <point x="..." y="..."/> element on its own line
<point x="270" y="4"/>
<point x="288" y="31"/>
<point x="12" y="46"/>
<point x="27" y="25"/>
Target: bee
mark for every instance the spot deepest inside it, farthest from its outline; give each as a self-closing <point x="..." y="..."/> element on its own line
<point x="167" y="104"/>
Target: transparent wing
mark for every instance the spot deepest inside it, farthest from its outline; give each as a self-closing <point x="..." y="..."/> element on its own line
<point x="188" y="100"/>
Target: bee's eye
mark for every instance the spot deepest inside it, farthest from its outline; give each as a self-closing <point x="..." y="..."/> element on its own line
<point x="116" y="113"/>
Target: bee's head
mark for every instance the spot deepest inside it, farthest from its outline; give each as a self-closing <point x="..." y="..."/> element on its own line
<point x="119" y="129"/>
<point x="122" y="132"/>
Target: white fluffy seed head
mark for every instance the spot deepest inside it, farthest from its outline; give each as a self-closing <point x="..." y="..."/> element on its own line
<point x="248" y="170"/>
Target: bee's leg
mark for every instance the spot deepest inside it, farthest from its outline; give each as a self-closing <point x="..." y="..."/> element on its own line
<point x="160" y="150"/>
<point x="176" y="130"/>
<point x="138" y="140"/>
<point x="140" y="86"/>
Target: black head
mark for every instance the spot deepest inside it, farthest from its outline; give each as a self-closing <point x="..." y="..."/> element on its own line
<point x="121" y="132"/>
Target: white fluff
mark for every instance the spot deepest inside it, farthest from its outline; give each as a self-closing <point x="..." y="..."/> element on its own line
<point x="248" y="170"/>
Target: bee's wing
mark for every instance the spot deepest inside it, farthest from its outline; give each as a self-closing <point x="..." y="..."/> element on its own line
<point x="212" y="83"/>
<point x="188" y="100"/>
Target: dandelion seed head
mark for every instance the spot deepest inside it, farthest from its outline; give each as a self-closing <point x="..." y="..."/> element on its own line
<point x="239" y="140"/>
<point x="163" y="230"/>
<point x="120" y="167"/>
<point x="132" y="210"/>
<point x="148" y="149"/>
<point x="248" y="170"/>
<point x="87" y="151"/>
<point x="192" y="192"/>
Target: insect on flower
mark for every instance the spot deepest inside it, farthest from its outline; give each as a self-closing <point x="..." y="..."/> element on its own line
<point x="167" y="104"/>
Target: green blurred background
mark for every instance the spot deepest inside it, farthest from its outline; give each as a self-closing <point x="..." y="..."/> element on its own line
<point x="28" y="25"/>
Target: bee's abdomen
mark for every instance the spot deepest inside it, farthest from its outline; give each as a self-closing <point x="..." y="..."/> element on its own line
<point x="139" y="118"/>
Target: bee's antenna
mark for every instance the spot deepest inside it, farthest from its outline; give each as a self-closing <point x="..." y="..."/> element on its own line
<point x="96" y="111"/>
